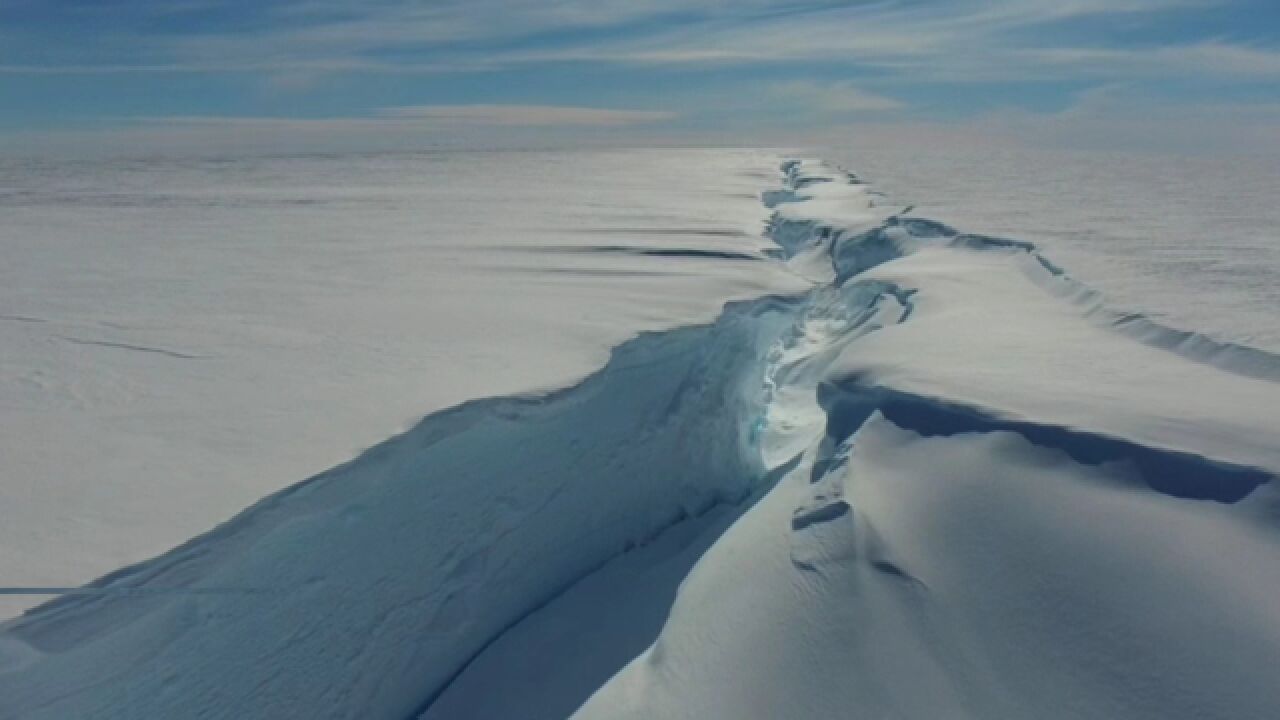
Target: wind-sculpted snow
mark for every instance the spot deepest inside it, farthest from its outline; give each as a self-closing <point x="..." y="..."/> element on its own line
<point x="945" y="481"/>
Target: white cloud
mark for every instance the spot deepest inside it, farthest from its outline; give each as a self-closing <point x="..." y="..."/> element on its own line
<point x="1117" y="117"/>
<point x="325" y="30"/>
<point x="395" y="128"/>
<point x="451" y="35"/>
<point x="412" y="116"/>
<point x="527" y="115"/>
<point x="891" y="44"/>
<point x="953" y="41"/>
<point x="1203" y="58"/>
<point x="977" y="34"/>
<point x="833" y="98"/>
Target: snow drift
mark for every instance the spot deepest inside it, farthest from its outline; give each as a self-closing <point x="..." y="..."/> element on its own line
<point x="946" y="481"/>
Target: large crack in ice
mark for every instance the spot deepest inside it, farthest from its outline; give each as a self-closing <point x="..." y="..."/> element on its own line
<point x="1179" y="474"/>
<point x="406" y="582"/>
<point x="945" y="556"/>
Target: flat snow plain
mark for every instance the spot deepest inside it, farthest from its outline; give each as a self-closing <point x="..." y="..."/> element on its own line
<point x="908" y="472"/>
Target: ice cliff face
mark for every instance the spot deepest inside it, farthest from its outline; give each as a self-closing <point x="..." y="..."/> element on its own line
<point x="946" y="481"/>
<point x="363" y="591"/>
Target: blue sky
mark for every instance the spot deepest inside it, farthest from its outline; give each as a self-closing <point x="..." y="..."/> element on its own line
<point x="136" y="69"/>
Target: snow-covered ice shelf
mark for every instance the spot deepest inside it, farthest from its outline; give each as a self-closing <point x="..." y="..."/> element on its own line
<point x="179" y="338"/>
<point x="918" y="473"/>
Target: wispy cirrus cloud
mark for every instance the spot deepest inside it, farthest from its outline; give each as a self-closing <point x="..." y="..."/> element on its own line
<point x="426" y="116"/>
<point x="527" y="115"/>
<point x="838" y="98"/>
<point x="398" y="127"/>
<point x="450" y="35"/>
<point x="1212" y="57"/>
<point x="829" y="58"/>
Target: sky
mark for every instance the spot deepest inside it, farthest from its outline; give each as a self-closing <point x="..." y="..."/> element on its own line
<point x="84" y="75"/>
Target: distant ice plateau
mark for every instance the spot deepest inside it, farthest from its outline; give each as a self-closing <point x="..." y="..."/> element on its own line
<point x="906" y="471"/>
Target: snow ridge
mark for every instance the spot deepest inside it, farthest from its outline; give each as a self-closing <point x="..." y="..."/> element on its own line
<point x="855" y="247"/>
<point x="1001" y="510"/>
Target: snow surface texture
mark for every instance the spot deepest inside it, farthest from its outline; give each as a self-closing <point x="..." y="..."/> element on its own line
<point x="180" y="338"/>
<point x="1191" y="240"/>
<point x="943" y="480"/>
<point x="1018" y="507"/>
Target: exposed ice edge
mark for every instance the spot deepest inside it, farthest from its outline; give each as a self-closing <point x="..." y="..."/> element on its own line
<point x="466" y="523"/>
<point x="853" y="249"/>
<point x="951" y="554"/>
<point x="858" y="248"/>
<point x="411" y="560"/>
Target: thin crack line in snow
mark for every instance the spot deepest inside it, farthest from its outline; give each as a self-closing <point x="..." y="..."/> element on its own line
<point x="38" y="590"/>
<point x="137" y="348"/>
